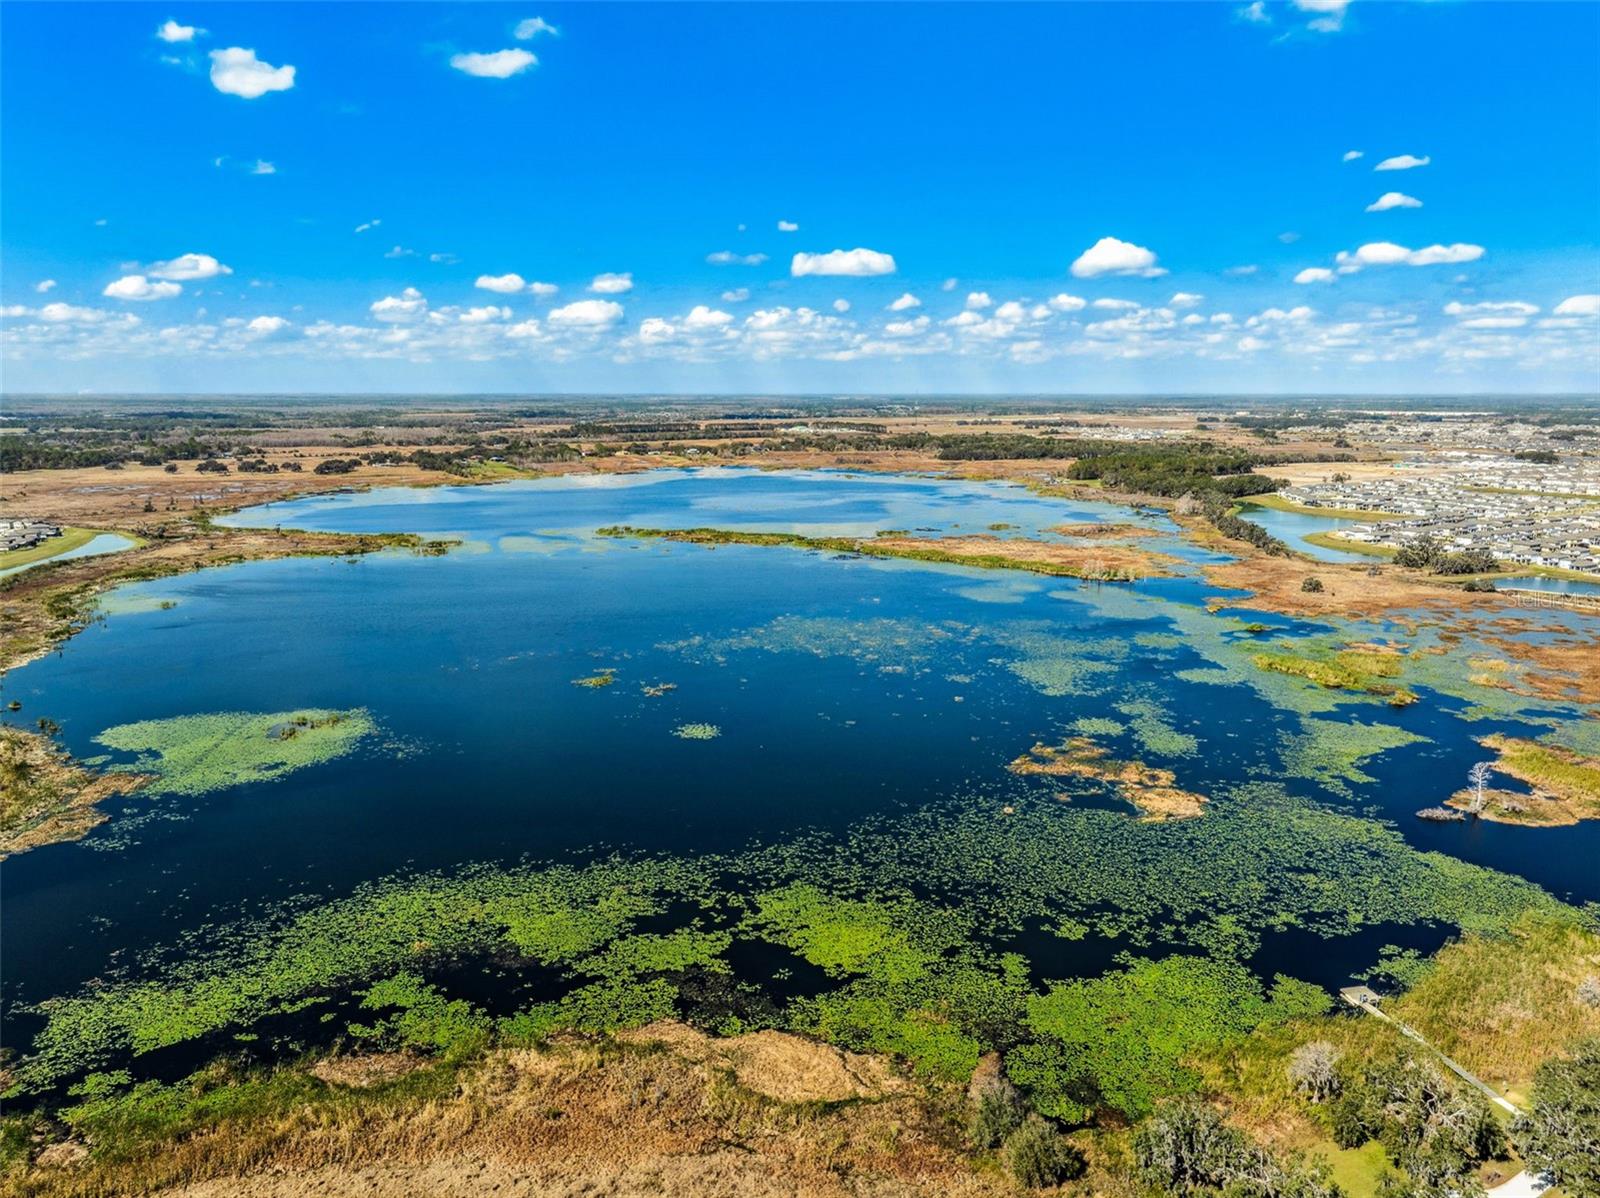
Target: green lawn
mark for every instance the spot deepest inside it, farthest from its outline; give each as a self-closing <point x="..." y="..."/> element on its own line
<point x="70" y="538"/>
<point x="1355" y="1169"/>
<point x="1279" y="503"/>
<point x="1328" y="541"/>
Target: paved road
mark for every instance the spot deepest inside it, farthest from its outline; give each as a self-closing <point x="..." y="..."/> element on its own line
<point x="1523" y="1185"/>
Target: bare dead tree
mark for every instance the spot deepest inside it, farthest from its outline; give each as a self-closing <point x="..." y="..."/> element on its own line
<point x="1478" y="776"/>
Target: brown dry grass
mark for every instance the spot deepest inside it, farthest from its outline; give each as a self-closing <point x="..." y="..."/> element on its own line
<point x="1103" y="531"/>
<point x="45" y="796"/>
<point x="1089" y="560"/>
<point x="115" y="499"/>
<point x="669" y="1115"/>
<point x="1500" y="1005"/>
<point x="778" y="1066"/>
<point x="1150" y="788"/>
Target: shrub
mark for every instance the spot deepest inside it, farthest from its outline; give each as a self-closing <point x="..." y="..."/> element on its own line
<point x="1314" y="1070"/>
<point x="1417" y="553"/>
<point x="1431" y="1127"/>
<point x="1561" y="1130"/>
<point x="999" y="1113"/>
<point x="1187" y="1149"/>
<point x="1312" y="586"/>
<point x="1038" y="1155"/>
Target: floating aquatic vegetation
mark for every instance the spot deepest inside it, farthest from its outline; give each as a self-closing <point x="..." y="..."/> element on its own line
<point x="1059" y="665"/>
<point x="1094" y="725"/>
<point x="1153" y="732"/>
<point x="912" y="644"/>
<point x="596" y="681"/>
<point x="644" y="953"/>
<point x="129" y="602"/>
<point x="1123" y="1038"/>
<point x="914" y="972"/>
<point x="697" y="732"/>
<point x="657" y="689"/>
<point x="1157" y="640"/>
<point x="195" y="754"/>
<point x="1331" y="752"/>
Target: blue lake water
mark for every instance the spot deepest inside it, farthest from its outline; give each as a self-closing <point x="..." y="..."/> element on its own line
<point x="106" y="542"/>
<point x="1292" y="528"/>
<point x="844" y="690"/>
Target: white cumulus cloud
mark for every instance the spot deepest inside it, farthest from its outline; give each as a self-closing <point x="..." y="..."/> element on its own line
<point x="1393" y="199"/>
<point x="841" y="305"/>
<point x="587" y="314"/>
<point x="702" y="319"/>
<point x="238" y="72"/>
<point x="266" y="326"/>
<point x="1403" y="162"/>
<point x="857" y="262"/>
<point x="736" y="296"/>
<point x="1352" y="155"/>
<point x="1387" y="253"/>
<point x="408" y="305"/>
<point x="44" y="285"/>
<point x="530" y="28"/>
<point x="1185" y="299"/>
<point x="907" y="300"/>
<point x="1490" y="307"/>
<point x="1579" y="305"/>
<point x="506" y="284"/>
<point x="788" y="226"/>
<point x="905" y="328"/>
<point x="138" y="287"/>
<point x="186" y="267"/>
<point x="977" y="300"/>
<point x="171" y="31"/>
<point x="611" y="284"/>
<point x="729" y="258"/>
<point x="1112" y="256"/>
<point x="1315" y="274"/>
<point x="1067" y="303"/>
<point x="498" y="64"/>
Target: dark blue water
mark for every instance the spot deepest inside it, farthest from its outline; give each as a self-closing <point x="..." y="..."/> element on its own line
<point x="842" y="687"/>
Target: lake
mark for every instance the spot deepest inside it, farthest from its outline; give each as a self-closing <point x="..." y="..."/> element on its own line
<point x="741" y="719"/>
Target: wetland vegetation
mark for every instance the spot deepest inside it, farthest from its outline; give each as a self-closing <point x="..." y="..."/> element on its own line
<point x="872" y="860"/>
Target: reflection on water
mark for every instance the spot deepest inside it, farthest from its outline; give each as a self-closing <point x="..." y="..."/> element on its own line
<point x="1293" y="528"/>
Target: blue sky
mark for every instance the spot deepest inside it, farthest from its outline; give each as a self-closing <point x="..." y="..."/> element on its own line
<point x="1062" y="198"/>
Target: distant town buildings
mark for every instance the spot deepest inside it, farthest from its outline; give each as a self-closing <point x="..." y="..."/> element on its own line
<point x="1528" y="513"/>
<point x="25" y="534"/>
